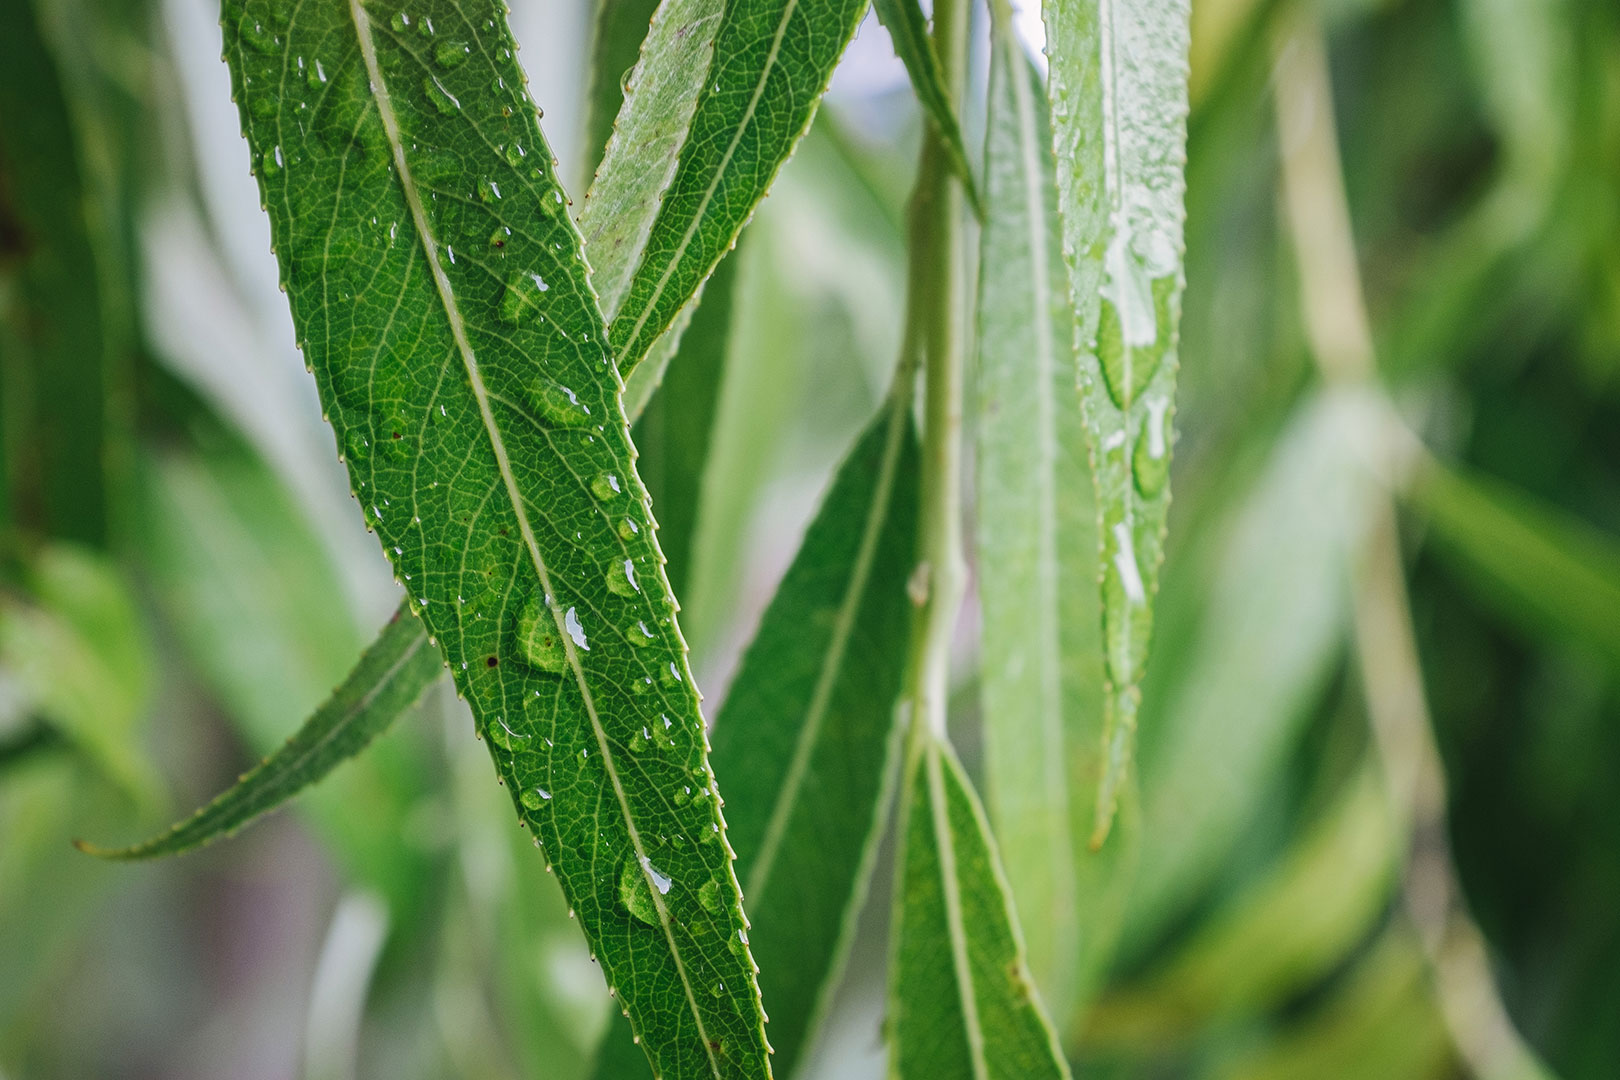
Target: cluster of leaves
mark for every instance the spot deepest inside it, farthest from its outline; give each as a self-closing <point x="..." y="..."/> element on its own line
<point x="518" y="384"/>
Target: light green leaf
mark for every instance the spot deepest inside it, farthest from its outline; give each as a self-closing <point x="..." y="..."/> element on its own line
<point x="1544" y="569"/>
<point x="962" y="1005"/>
<point x="1041" y="676"/>
<point x="1273" y="628"/>
<point x="617" y="31"/>
<point x="806" y="736"/>
<point x="439" y="292"/>
<point x="908" y="29"/>
<point x="1118" y="88"/>
<point x="661" y="93"/>
<point x="389" y="678"/>
<point x="773" y="59"/>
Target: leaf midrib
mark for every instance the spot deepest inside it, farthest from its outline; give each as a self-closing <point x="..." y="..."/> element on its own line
<point x="458" y="330"/>
<point x="944" y="840"/>
<point x="719" y="173"/>
<point x="1046" y="475"/>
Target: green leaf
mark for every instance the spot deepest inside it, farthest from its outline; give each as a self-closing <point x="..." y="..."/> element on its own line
<point x="1267" y="643"/>
<point x="1546" y="570"/>
<point x="1118" y="88"/>
<point x="773" y="59"/>
<point x="439" y="292"/>
<point x="962" y="1003"/>
<point x="661" y="94"/>
<point x="389" y="678"/>
<point x="908" y="29"/>
<point x="674" y="431"/>
<point x="806" y="736"/>
<point x="619" y="28"/>
<point x="1041" y="675"/>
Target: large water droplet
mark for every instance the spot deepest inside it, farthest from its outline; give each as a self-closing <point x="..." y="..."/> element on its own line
<point x="1150" y="463"/>
<point x="440" y="98"/>
<point x="638" y="635"/>
<point x="539" y="640"/>
<point x="575" y="630"/>
<point x="451" y="54"/>
<point x="605" y="486"/>
<point x="521" y="301"/>
<point x="634" y="891"/>
<point x="709" y="895"/>
<point x="559" y="404"/>
<point x="621" y="578"/>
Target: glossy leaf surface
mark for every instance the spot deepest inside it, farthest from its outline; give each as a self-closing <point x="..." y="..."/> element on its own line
<point x="440" y="294"/>
<point x="1118" y="88"/>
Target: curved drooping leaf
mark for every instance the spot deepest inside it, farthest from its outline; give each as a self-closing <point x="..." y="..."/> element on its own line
<point x="967" y="1010"/>
<point x="1118" y="88"/>
<point x="806" y="735"/>
<point x="439" y="292"/>
<point x="908" y="29"/>
<point x="772" y="61"/>
<point x="389" y="678"/>
<point x="1041" y="677"/>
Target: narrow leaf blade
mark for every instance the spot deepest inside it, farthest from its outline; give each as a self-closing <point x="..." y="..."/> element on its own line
<point x="1118" y="88"/>
<point x="390" y="677"/>
<point x="908" y="29"/>
<point x="962" y="1003"/>
<point x="1042" y="679"/>
<point x="773" y="59"/>
<point x="806" y="736"/>
<point x="439" y="292"/>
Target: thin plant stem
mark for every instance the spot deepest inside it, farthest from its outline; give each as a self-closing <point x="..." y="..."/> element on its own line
<point x="1340" y="338"/>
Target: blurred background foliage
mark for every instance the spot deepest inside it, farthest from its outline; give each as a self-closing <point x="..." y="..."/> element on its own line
<point x="182" y="577"/>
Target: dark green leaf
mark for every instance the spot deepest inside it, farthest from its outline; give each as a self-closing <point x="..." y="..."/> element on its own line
<point x="806" y="735"/>
<point x="389" y="678"/>
<point x="1119" y="110"/>
<point x="439" y="292"/>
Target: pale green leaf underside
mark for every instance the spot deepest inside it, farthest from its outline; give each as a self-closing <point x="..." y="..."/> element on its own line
<point x="806" y="735"/>
<point x="439" y="292"/>
<point x="962" y="1004"/>
<point x="1118" y="89"/>
<point x="908" y="29"/>
<point x="772" y="62"/>
<point x="1042" y="680"/>
<point x="389" y="678"/>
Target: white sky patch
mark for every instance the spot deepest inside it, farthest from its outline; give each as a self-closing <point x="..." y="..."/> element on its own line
<point x="1031" y="30"/>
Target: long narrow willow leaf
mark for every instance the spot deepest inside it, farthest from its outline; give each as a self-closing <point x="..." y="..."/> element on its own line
<point x="391" y="675"/>
<point x="1037" y="535"/>
<point x="908" y="29"/>
<point x="805" y="738"/>
<point x="773" y="59"/>
<point x="617" y="32"/>
<point x="1118" y="88"/>
<point x="967" y="1010"/>
<point x="440" y="295"/>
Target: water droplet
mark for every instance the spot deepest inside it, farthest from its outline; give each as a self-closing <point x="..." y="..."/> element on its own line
<point x="605" y="486"/>
<point x="1150" y="464"/>
<point x="521" y="301"/>
<point x="502" y="735"/>
<point x="259" y="37"/>
<point x="534" y="798"/>
<point x="709" y="895"/>
<point x="400" y="22"/>
<point x="440" y="98"/>
<point x="575" y="630"/>
<point x="559" y="405"/>
<point x="424" y="26"/>
<point x="635" y="893"/>
<point x="272" y="161"/>
<point x="500" y="237"/>
<point x="638" y="635"/>
<point x="739" y="942"/>
<point x="488" y="190"/>
<point x="451" y="54"/>
<point x="628" y="529"/>
<point x="315" y="76"/>
<point x="515" y="155"/>
<point x="538" y="638"/>
<point x="621" y="579"/>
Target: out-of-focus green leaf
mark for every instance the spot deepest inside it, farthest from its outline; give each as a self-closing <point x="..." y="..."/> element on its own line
<point x="908" y="29"/>
<point x="439" y="291"/>
<point x="1551" y="573"/>
<point x="1118" y="88"/>
<point x="1041" y="674"/>
<point x="1273" y="628"/>
<point x="773" y="59"/>
<point x="75" y="647"/>
<point x="807" y="733"/>
<point x="962" y="1002"/>
<point x="55" y="335"/>
<point x="1380" y="1022"/>
<point x="389" y="678"/>
<point x="1273" y="938"/>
